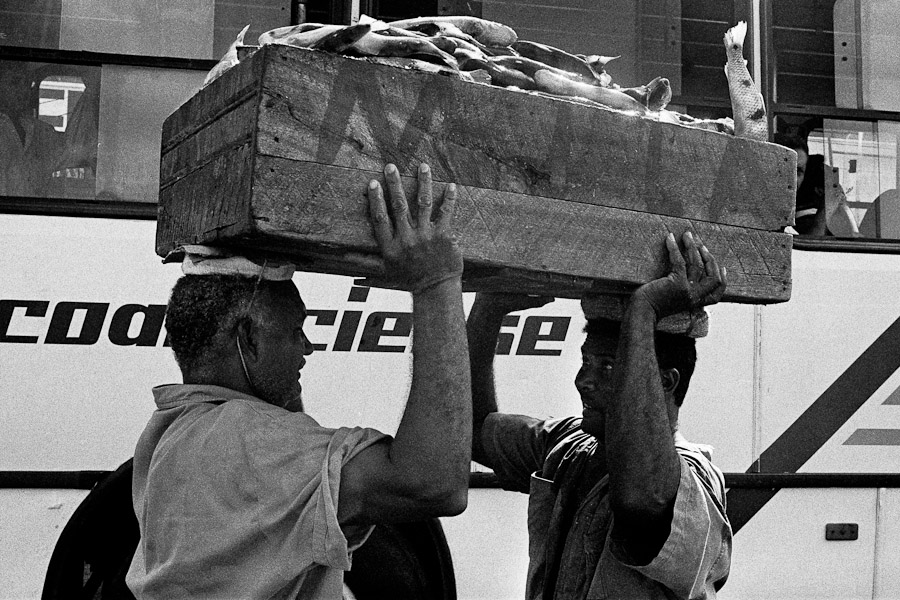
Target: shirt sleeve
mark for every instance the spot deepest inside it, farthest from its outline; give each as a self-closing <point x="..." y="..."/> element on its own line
<point x="517" y="445"/>
<point x="696" y="556"/>
<point x="303" y="463"/>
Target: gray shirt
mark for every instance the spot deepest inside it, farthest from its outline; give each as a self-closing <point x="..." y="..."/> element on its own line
<point x="237" y="498"/>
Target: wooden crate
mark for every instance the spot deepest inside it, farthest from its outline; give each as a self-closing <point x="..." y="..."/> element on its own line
<point x="555" y="196"/>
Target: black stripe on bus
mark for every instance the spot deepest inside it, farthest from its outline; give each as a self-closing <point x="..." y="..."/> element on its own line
<point x="819" y="422"/>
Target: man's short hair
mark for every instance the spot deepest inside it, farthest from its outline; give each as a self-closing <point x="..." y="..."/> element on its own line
<point x="203" y="314"/>
<point x="673" y="351"/>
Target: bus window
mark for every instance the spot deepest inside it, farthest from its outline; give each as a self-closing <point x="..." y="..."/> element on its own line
<point x="853" y="171"/>
<point x="69" y="99"/>
<point x="134" y="102"/>
<point x="30" y="145"/>
<point x="836" y="87"/>
<point x="54" y="143"/>
<point x="862" y="173"/>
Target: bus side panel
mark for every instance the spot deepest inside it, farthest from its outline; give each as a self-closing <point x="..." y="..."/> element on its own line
<point x="830" y="373"/>
<point x="887" y="545"/>
<point x="783" y="552"/>
<point x="30" y="524"/>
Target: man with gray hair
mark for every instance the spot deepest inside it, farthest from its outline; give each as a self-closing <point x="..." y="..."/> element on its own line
<point x="620" y="504"/>
<point x="238" y="492"/>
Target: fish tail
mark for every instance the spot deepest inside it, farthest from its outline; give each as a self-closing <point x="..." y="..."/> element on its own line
<point x="734" y="37"/>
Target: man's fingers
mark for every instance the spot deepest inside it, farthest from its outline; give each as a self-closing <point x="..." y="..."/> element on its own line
<point x="714" y="282"/>
<point x="381" y="223"/>
<point x="448" y="208"/>
<point x="402" y="221"/>
<point x="709" y="262"/>
<point x="715" y="294"/>
<point x="424" y="196"/>
<point x="675" y="257"/>
<point x="692" y="255"/>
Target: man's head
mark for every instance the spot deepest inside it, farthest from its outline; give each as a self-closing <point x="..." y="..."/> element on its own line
<point x="240" y="332"/>
<point x="675" y="354"/>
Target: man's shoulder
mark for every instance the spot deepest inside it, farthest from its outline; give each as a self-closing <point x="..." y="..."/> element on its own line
<point x="570" y="446"/>
<point x="699" y="458"/>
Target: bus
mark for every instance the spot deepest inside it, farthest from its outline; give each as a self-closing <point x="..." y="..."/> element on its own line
<point x="800" y="400"/>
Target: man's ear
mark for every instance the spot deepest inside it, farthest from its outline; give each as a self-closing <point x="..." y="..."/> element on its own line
<point x="670" y="379"/>
<point x="246" y="331"/>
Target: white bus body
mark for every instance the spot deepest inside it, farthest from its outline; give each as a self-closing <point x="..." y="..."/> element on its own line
<point x="81" y="345"/>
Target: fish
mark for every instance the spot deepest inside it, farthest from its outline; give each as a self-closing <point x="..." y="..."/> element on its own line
<point x="501" y="76"/>
<point x="489" y="33"/>
<point x="342" y="39"/>
<point x="598" y="63"/>
<point x="374" y="44"/>
<point x="530" y="67"/>
<point x="420" y="65"/>
<point x="451" y="44"/>
<point x="300" y="36"/>
<point x="555" y="57"/>
<point x="432" y="29"/>
<point x="723" y="125"/>
<point x="655" y="95"/>
<point x="229" y="59"/>
<point x="747" y="106"/>
<point x="506" y="77"/>
<point x="548" y="81"/>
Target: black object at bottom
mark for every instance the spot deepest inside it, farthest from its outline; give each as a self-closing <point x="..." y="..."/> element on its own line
<point x="403" y="561"/>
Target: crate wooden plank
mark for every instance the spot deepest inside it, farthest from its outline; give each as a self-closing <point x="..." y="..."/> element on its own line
<point x="504" y="235"/>
<point x="355" y="114"/>
<point x="555" y="196"/>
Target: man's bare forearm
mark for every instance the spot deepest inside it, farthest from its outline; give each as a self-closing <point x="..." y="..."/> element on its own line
<point x="483" y="330"/>
<point x="433" y="440"/>
<point x="640" y="452"/>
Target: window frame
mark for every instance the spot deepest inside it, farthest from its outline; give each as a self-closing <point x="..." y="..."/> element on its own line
<point x="768" y="77"/>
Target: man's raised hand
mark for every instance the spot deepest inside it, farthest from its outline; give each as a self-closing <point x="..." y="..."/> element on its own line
<point x="694" y="280"/>
<point x="419" y="251"/>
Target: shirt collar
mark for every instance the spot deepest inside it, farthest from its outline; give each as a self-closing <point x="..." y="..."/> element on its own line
<point x="181" y="394"/>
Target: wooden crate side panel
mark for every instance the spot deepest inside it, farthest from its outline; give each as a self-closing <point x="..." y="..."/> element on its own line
<point x="228" y="131"/>
<point x="208" y="205"/>
<point x="206" y="161"/>
<point x="218" y="98"/>
<point x="331" y="110"/>
<point x="300" y="206"/>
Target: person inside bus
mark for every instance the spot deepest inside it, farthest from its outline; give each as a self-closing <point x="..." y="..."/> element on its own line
<point x="237" y="491"/>
<point x="809" y="216"/>
<point x="30" y="149"/>
<point x="821" y="207"/>
<point x="620" y="504"/>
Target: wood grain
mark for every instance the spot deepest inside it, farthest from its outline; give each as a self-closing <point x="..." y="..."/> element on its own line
<point x="555" y="197"/>
<point x="355" y="114"/>
<point x="318" y="215"/>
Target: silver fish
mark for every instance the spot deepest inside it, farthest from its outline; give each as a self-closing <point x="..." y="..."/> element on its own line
<point x="747" y="106"/>
<point x="228" y="60"/>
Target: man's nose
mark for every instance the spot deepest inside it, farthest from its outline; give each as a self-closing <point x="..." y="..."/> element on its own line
<point x="584" y="382"/>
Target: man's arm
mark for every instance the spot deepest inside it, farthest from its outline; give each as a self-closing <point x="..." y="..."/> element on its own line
<point x="424" y="471"/>
<point x="483" y="330"/>
<point x="643" y="465"/>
